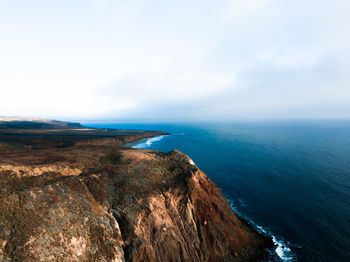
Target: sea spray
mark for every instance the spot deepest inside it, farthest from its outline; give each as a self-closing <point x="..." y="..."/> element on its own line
<point x="281" y="249"/>
<point x="148" y="142"/>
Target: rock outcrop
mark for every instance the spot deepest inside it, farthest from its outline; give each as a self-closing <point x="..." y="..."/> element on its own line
<point x="103" y="203"/>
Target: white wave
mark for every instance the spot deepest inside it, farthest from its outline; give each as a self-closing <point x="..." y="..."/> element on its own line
<point x="282" y="250"/>
<point x="148" y="142"/>
<point x="153" y="139"/>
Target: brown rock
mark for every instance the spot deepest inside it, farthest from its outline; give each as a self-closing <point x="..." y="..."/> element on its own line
<point x="117" y="204"/>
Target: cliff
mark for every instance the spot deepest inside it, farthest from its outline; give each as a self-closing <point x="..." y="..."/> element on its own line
<point x="104" y="203"/>
<point x="39" y="134"/>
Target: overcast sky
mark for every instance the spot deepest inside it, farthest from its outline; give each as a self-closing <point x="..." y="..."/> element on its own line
<point x="175" y="60"/>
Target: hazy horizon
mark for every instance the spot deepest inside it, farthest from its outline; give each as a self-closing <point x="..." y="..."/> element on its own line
<point x="161" y="61"/>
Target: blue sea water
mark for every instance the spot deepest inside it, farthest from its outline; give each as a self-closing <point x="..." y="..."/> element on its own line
<point x="291" y="179"/>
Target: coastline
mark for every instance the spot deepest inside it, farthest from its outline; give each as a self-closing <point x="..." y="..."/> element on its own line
<point x="279" y="250"/>
<point x="136" y="142"/>
<point x="145" y="142"/>
<point x="166" y="195"/>
<point x="208" y="223"/>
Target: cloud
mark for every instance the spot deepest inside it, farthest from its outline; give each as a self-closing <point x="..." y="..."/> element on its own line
<point x="163" y="60"/>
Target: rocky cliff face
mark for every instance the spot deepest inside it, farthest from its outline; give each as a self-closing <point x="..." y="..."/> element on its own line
<point x="101" y="203"/>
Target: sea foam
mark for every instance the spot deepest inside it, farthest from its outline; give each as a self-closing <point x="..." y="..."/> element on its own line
<point x="148" y="142"/>
<point x="283" y="252"/>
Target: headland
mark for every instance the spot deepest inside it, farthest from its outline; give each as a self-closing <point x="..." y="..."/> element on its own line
<point x="71" y="193"/>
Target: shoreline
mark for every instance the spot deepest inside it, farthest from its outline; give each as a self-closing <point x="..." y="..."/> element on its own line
<point x="147" y="141"/>
<point x="131" y="144"/>
<point x="112" y="137"/>
<point x="280" y="249"/>
<point x="157" y="181"/>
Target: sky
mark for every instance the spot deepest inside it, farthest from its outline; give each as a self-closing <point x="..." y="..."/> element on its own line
<point x="183" y="60"/>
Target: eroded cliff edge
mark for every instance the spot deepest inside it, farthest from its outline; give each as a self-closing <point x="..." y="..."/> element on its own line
<point x="102" y="203"/>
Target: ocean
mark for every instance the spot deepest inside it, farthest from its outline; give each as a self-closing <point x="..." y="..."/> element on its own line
<point x="290" y="179"/>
